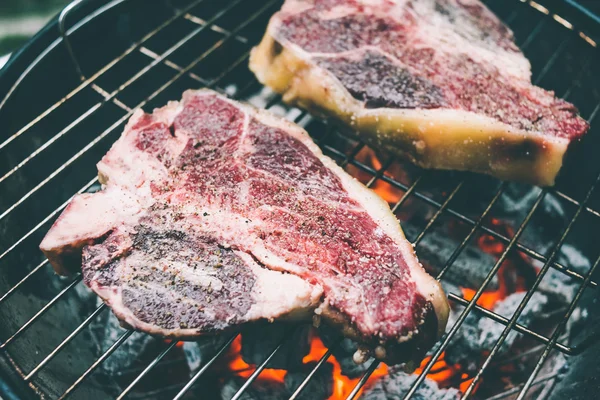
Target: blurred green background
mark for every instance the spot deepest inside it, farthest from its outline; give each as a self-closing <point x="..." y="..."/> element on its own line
<point x="21" y="19"/>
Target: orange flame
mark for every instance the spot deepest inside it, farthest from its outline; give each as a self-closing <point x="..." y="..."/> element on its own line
<point x="240" y="368"/>
<point x="495" y="247"/>
<point x="342" y="385"/>
<point x="444" y="374"/>
<point x="466" y="382"/>
<point x="386" y="191"/>
<point x="440" y="372"/>
<point x="178" y="344"/>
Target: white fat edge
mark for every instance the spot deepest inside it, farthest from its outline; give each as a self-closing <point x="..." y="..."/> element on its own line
<point x="113" y="297"/>
<point x="140" y="167"/>
<point x="128" y="168"/>
<point x="245" y="145"/>
<point x="168" y="113"/>
<point x="91" y="215"/>
<point x="273" y="261"/>
<point x="277" y="293"/>
<point x="441" y="118"/>
<point x="245" y="108"/>
<point x="296" y="6"/>
<point x="231" y="228"/>
<point x="337" y="11"/>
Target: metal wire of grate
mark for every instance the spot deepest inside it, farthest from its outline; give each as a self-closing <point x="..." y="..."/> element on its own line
<point x="556" y="340"/>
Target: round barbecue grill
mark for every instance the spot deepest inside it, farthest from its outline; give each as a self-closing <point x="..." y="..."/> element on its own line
<point x="65" y="98"/>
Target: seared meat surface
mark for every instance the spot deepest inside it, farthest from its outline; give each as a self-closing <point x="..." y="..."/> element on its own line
<point x="440" y="82"/>
<point x="214" y="214"/>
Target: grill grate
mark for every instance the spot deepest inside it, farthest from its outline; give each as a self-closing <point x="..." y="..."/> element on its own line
<point x="223" y="25"/>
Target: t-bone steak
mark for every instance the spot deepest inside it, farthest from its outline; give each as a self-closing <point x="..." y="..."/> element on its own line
<point x="440" y="82"/>
<point x="214" y="214"/>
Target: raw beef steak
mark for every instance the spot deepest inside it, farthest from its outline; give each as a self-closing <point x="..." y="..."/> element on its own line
<point x="214" y="214"/>
<point x="440" y="82"/>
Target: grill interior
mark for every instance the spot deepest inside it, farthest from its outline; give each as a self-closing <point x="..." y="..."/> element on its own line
<point x="57" y="125"/>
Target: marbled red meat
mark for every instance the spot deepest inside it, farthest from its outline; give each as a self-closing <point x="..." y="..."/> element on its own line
<point x="214" y="214"/>
<point x="440" y="82"/>
<point x="370" y="46"/>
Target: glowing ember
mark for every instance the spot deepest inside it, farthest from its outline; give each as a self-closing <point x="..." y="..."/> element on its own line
<point x="239" y="367"/>
<point x="178" y="344"/>
<point x="385" y="190"/>
<point x="444" y="374"/>
<point x="342" y="385"/>
<point x="495" y="247"/>
<point x="466" y="381"/>
<point x="441" y="372"/>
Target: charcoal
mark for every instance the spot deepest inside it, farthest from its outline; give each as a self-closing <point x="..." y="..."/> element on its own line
<point x="320" y="385"/>
<point x="464" y="349"/>
<point x="197" y="353"/>
<point x="343" y="350"/>
<point x="259" y="390"/>
<point x="468" y="270"/>
<point x="396" y="384"/>
<point x="104" y="331"/>
<point x="574" y="259"/>
<point x="516" y="201"/>
<point x="545" y="224"/>
<point x="559" y="286"/>
<point x="479" y="334"/>
<point x="491" y="330"/>
<point x="259" y="340"/>
<point x="544" y="229"/>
